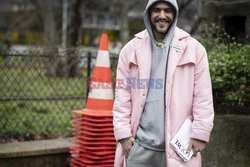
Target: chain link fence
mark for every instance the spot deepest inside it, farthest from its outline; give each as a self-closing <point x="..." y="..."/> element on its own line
<point x="39" y="91"/>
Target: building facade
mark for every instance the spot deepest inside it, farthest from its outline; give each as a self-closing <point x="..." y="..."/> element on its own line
<point x="232" y="15"/>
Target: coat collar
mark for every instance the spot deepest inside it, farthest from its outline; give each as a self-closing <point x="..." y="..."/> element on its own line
<point x="178" y="42"/>
<point x="177" y="47"/>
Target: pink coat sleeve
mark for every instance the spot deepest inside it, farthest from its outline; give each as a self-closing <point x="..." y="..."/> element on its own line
<point x="203" y="112"/>
<point x="122" y="105"/>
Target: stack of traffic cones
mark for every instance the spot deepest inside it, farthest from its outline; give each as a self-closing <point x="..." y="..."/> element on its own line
<point x="93" y="138"/>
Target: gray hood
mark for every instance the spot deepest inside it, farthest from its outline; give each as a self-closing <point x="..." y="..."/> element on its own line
<point x="148" y="23"/>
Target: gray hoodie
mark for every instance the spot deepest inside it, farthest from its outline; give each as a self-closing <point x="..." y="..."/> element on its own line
<point x="150" y="133"/>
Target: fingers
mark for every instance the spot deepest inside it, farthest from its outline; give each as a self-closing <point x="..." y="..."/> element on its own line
<point x="132" y="139"/>
<point x="126" y="153"/>
<point x="126" y="150"/>
<point x="127" y="145"/>
<point x="196" y="146"/>
<point x="195" y="153"/>
<point x="190" y="146"/>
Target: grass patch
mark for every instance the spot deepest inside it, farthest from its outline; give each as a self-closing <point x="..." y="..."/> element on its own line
<point x="33" y="105"/>
<point x="37" y="118"/>
<point x="42" y="105"/>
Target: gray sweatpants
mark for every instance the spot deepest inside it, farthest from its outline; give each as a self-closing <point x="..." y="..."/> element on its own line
<point x="143" y="157"/>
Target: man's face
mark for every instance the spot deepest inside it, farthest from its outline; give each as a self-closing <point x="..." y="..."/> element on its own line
<point x="161" y="17"/>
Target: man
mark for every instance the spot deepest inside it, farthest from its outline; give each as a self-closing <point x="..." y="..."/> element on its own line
<point x="166" y="80"/>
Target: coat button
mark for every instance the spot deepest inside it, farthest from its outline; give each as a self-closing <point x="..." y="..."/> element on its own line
<point x="143" y="94"/>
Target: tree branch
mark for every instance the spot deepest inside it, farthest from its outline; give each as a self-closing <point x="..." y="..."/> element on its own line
<point x="183" y="5"/>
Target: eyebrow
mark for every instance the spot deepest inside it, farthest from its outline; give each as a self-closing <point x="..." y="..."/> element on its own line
<point x="155" y="7"/>
<point x="160" y="7"/>
<point x="169" y="8"/>
<point x="164" y="8"/>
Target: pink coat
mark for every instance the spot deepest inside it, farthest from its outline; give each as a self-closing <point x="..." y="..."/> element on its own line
<point x="188" y="92"/>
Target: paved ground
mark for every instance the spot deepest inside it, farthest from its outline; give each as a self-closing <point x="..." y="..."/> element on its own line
<point x="40" y="147"/>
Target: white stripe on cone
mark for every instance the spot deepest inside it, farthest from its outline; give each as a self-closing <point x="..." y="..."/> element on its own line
<point x="101" y="90"/>
<point x="102" y="59"/>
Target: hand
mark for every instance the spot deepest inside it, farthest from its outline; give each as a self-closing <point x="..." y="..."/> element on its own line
<point x="196" y="145"/>
<point x="127" y="145"/>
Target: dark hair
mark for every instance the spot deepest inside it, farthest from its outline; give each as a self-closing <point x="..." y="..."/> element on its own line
<point x="156" y="2"/>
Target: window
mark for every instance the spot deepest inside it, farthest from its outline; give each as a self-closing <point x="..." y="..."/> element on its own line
<point x="235" y="26"/>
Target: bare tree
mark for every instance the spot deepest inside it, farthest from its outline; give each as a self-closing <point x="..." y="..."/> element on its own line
<point x="46" y="10"/>
<point x="73" y="35"/>
<point x="183" y="4"/>
<point x="124" y="28"/>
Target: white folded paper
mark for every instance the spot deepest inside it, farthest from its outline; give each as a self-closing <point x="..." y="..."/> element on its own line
<point x="181" y="140"/>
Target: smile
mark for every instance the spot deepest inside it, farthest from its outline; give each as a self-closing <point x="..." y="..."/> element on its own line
<point x="162" y="23"/>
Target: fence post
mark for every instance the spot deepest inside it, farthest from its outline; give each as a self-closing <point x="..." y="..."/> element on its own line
<point x="88" y="71"/>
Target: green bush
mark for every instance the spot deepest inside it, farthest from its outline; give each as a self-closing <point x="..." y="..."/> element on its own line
<point x="230" y="72"/>
<point x="229" y="66"/>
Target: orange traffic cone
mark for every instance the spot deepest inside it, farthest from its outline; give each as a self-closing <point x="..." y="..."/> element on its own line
<point x="93" y="137"/>
<point x="101" y="94"/>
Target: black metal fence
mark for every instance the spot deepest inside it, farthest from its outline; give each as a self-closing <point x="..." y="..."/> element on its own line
<point x="39" y="91"/>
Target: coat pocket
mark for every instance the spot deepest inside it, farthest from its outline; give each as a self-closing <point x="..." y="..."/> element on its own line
<point x="133" y="70"/>
<point x="187" y="60"/>
<point x="185" y="63"/>
<point x="185" y="68"/>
